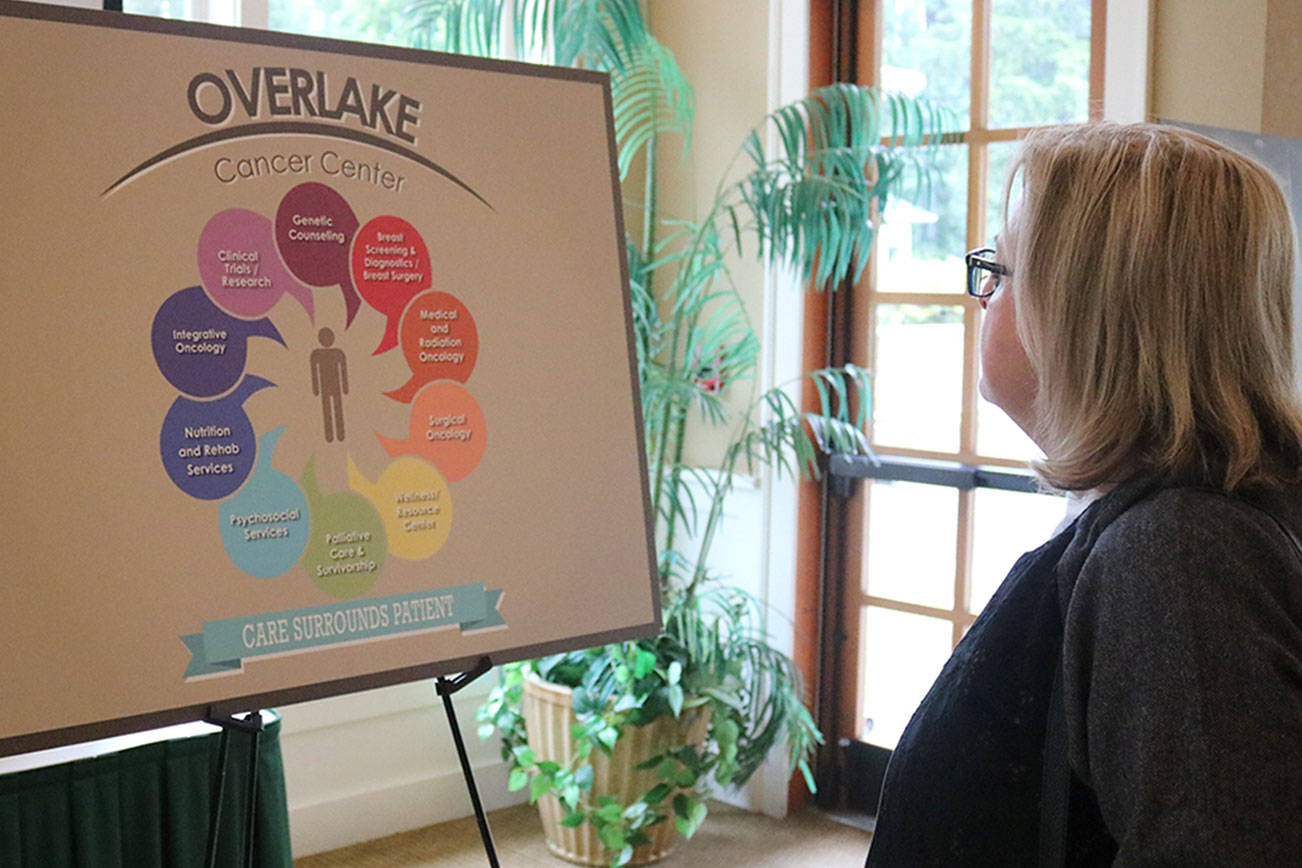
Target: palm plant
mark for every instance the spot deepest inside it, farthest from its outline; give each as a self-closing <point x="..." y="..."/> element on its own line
<point x="810" y="203"/>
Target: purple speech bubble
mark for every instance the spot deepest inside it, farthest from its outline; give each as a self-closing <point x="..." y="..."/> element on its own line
<point x="208" y="447"/>
<point x="200" y="348"/>
<point x="241" y="268"/>
<point x="314" y="230"/>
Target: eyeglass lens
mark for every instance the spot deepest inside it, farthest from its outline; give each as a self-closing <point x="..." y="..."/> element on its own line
<point x="979" y="267"/>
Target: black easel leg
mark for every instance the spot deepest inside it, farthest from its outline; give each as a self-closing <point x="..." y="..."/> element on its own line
<point x="445" y="689"/>
<point x="251" y="796"/>
<point x="252" y="724"/>
<point x="219" y="791"/>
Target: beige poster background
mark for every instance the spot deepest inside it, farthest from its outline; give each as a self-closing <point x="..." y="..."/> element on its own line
<point x="109" y="561"/>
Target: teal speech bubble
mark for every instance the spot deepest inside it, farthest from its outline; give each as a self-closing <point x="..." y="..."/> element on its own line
<point x="264" y="527"/>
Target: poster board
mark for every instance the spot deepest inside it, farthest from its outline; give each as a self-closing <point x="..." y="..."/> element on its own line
<point x="319" y="371"/>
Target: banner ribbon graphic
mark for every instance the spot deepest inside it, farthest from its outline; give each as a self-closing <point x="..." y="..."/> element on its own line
<point x="224" y="645"/>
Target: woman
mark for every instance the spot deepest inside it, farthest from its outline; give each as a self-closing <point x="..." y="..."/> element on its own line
<point x="1132" y="695"/>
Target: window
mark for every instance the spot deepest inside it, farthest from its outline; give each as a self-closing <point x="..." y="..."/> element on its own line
<point x="926" y="538"/>
<point x="209" y="11"/>
<point x="385" y="22"/>
<point x="379" y="21"/>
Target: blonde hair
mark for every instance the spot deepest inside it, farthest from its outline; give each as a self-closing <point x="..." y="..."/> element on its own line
<point x="1153" y="272"/>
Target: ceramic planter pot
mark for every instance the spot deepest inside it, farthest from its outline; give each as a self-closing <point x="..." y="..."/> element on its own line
<point x="548" y="718"/>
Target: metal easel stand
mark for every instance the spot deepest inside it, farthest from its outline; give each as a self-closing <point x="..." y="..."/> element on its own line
<point x="253" y="725"/>
<point x="445" y="687"/>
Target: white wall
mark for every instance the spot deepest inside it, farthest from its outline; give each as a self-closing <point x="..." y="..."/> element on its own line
<point x="1209" y="61"/>
<point x="372" y="764"/>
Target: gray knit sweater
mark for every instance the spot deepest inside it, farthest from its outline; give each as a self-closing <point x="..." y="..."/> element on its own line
<point x="1181" y="650"/>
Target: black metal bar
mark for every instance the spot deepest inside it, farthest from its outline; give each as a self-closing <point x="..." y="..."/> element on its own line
<point x="219" y="791"/>
<point x="253" y="725"/>
<point x="947" y="473"/>
<point x="1006" y="481"/>
<point x="445" y="687"/>
<point x="251" y="793"/>
<point x="112" y="5"/>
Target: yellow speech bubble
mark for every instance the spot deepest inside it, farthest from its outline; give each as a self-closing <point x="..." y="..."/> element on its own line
<point x="413" y="500"/>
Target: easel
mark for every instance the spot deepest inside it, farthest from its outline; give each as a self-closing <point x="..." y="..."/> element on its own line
<point x="252" y="724"/>
<point x="445" y="687"/>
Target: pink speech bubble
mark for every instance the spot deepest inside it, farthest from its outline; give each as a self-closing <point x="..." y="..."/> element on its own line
<point x="439" y="341"/>
<point x="240" y="268"/>
<point x="447" y="429"/>
<point x="391" y="264"/>
<point x="314" y="228"/>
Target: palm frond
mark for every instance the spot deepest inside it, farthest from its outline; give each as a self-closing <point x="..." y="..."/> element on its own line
<point x="791" y="441"/>
<point x="680" y="501"/>
<point x="650" y="96"/>
<point x="598" y="34"/>
<point x="535" y="22"/>
<point x="812" y="205"/>
<point x="721" y="631"/>
<point x="459" y="26"/>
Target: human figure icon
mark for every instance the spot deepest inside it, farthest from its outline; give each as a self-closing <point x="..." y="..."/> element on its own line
<point x="330" y="381"/>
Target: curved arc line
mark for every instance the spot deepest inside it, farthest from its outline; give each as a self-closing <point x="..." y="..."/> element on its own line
<point x="270" y="128"/>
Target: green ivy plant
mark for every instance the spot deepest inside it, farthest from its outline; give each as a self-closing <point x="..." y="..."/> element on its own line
<point x="809" y="204"/>
<point x="711" y="658"/>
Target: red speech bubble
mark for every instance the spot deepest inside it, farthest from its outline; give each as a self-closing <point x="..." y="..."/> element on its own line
<point x="439" y="341"/>
<point x="390" y="264"/>
<point x="447" y="429"/>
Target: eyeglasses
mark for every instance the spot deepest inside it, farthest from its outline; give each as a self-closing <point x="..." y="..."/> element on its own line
<point x="980" y="262"/>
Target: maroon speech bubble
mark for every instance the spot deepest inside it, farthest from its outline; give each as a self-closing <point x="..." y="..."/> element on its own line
<point x="314" y="231"/>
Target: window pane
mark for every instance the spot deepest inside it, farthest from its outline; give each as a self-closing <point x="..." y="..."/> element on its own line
<point x="1007" y="524"/>
<point x="918" y="384"/>
<point x="158" y="8"/>
<point x="999" y="437"/>
<point x="1039" y="62"/>
<point x="923" y="236"/>
<point x="384" y="22"/>
<point x="1000" y="158"/>
<point x="925" y="50"/>
<point x="912" y="542"/>
<point x="903" y="654"/>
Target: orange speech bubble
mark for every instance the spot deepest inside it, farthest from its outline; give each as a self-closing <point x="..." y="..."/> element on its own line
<point x="447" y="429"/>
<point x="439" y="341"/>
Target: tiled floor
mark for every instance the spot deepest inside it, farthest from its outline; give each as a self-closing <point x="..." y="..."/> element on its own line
<point x="730" y="837"/>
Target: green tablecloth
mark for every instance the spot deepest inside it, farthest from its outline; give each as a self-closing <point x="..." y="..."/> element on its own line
<point x="145" y="807"/>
